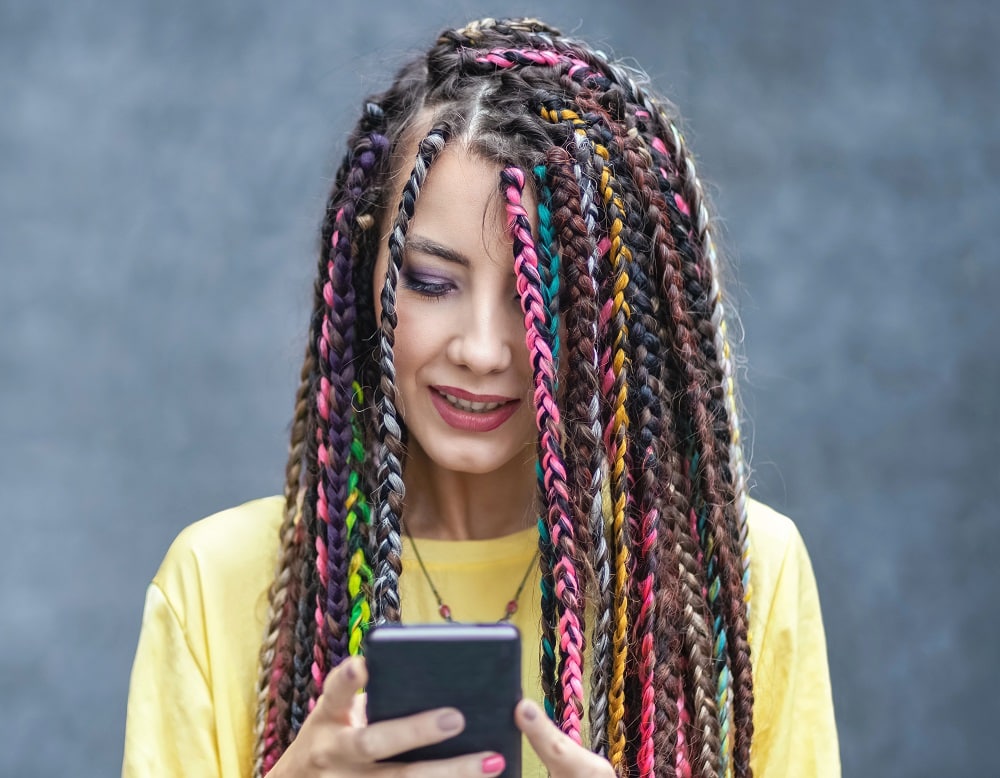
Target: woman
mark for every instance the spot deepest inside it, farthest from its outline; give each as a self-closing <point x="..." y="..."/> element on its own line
<point x="518" y="390"/>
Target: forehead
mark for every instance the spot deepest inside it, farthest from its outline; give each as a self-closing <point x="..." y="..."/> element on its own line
<point x="461" y="200"/>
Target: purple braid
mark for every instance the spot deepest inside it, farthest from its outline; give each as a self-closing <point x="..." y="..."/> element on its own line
<point x="335" y="403"/>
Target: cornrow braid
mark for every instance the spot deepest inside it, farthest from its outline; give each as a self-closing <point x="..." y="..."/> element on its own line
<point x="389" y="506"/>
<point x="538" y="322"/>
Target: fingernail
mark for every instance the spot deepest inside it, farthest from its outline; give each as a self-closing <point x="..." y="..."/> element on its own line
<point x="450" y="721"/>
<point x="493" y="764"/>
<point x="529" y="711"/>
<point x="351" y="671"/>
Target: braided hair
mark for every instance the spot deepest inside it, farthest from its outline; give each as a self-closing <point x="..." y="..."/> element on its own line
<point x="641" y="478"/>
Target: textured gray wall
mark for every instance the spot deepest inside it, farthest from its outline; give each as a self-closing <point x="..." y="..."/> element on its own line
<point x="163" y="169"/>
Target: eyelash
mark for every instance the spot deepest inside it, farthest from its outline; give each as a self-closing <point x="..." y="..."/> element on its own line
<point x="424" y="289"/>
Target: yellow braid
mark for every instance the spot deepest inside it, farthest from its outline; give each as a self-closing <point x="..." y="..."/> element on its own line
<point x="620" y="257"/>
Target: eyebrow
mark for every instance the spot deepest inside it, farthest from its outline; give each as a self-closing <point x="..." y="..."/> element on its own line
<point x="432" y="247"/>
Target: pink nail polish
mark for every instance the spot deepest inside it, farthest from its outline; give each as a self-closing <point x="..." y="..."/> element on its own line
<point x="493" y="764"/>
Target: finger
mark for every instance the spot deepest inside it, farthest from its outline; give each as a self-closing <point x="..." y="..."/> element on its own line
<point x="359" y="710"/>
<point x="340" y="688"/>
<point x="487" y="763"/>
<point x="558" y="752"/>
<point x="390" y="738"/>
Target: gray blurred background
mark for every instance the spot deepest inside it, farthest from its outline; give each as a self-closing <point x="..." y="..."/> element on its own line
<point x="164" y="167"/>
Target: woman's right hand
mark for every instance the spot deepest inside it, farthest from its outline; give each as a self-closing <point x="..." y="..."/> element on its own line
<point x="336" y="740"/>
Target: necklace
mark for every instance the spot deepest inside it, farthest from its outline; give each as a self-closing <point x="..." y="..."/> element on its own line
<point x="509" y="610"/>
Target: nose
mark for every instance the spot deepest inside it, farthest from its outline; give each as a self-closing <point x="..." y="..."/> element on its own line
<point x="485" y="340"/>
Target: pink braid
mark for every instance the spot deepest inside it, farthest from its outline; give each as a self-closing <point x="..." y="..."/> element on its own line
<point x="570" y="635"/>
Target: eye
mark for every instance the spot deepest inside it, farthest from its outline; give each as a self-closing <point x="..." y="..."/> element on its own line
<point x="425" y="286"/>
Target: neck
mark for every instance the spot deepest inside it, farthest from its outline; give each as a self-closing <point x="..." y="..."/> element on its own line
<point x="448" y="505"/>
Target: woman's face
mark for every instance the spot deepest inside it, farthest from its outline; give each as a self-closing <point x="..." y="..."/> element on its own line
<point x="462" y="369"/>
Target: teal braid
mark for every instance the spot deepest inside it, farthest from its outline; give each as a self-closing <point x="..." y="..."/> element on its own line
<point x="548" y="273"/>
<point x="548" y="268"/>
<point x="391" y="491"/>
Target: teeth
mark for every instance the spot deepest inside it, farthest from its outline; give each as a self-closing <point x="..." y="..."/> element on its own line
<point x="465" y="405"/>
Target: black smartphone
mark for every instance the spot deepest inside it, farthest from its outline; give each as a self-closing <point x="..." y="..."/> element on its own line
<point x="473" y="667"/>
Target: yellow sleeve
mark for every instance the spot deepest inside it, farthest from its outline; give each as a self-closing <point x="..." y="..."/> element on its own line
<point x="795" y="733"/>
<point x="169" y="728"/>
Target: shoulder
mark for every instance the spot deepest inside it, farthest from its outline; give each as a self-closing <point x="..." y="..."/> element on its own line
<point x="222" y="557"/>
<point x="779" y="563"/>
<point x="769" y="530"/>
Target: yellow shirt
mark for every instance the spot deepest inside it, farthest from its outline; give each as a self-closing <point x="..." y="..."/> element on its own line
<point x="192" y="705"/>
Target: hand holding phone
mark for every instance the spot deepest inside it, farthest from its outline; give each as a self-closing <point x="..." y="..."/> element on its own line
<point x="336" y="742"/>
<point x="475" y="668"/>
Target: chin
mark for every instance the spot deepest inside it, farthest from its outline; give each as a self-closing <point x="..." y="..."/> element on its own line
<point x="459" y="459"/>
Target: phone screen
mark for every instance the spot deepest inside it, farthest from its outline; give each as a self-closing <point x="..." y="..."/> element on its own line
<point x="473" y="667"/>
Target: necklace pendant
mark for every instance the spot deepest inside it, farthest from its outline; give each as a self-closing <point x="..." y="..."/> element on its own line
<point x="445" y="612"/>
<point x="511" y="609"/>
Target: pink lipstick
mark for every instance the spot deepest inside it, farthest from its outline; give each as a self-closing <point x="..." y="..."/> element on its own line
<point x="472" y="419"/>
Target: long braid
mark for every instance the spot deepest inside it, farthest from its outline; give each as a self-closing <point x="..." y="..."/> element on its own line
<point x="740" y="637"/>
<point x="539" y="335"/>
<point x="616" y="386"/>
<point x="303" y="682"/>
<point x="710" y="421"/>
<point x="342" y="505"/>
<point x="645" y="410"/>
<point x="289" y="643"/>
<point x="274" y="656"/>
<point x="698" y="635"/>
<point x="335" y="429"/>
<point x="552" y="663"/>
<point x="709" y="521"/>
<point x="358" y="520"/>
<point x="639" y="162"/>
<point x="548" y="275"/>
<point x="389" y="505"/>
<point x="686" y="345"/>
<point x="577" y="240"/>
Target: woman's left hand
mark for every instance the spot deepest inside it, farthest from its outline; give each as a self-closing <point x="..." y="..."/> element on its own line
<point x="563" y="757"/>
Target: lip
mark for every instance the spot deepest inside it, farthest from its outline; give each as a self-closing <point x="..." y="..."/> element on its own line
<point x="469" y="421"/>
<point x="461" y="394"/>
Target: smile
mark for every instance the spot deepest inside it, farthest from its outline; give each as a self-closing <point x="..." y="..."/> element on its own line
<point x="471" y="412"/>
<point x="465" y="405"/>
